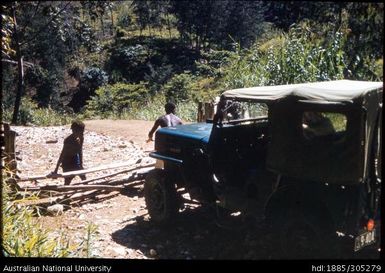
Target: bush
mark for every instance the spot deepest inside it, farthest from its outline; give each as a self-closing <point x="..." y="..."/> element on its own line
<point x="93" y="77"/>
<point x="179" y="88"/>
<point x="152" y="110"/>
<point x="187" y="111"/>
<point x="212" y="62"/>
<point x="31" y="114"/>
<point x="114" y="100"/>
<point x="129" y="62"/>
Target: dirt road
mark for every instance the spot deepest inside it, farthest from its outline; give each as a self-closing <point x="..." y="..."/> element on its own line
<point x="131" y="130"/>
<point x="124" y="229"/>
<point x="123" y="226"/>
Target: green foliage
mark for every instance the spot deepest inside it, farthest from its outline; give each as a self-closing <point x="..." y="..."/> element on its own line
<point x="91" y="232"/>
<point x="338" y="120"/>
<point x="128" y="62"/>
<point x="180" y="88"/>
<point x="41" y="83"/>
<point x="157" y="77"/>
<point x="94" y="77"/>
<point x="70" y="48"/>
<point x="149" y="59"/>
<point x="152" y="110"/>
<point x="116" y="99"/>
<point x="31" y="114"/>
<point x="90" y="79"/>
<point x="23" y="236"/>
<point x="6" y="34"/>
<point x="366" y="29"/>
<point x="206" y="24"/>
<point x="206" y="89"/>
<point x="367" y="68"/>
<point x="212" y="62"/>
<point x="187" y="111"/>
<point x="299" y="56"/>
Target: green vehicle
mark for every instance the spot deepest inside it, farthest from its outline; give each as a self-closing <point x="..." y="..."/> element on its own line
<point x="305" y="156"/>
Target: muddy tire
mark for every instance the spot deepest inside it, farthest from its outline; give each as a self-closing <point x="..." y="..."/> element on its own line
<point x="161" y="197"/>
<point x="302" y="236"/>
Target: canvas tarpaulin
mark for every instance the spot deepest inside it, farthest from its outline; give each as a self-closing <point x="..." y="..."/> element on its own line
<point x="332" y="91"/>
<point x="344" y="161"/>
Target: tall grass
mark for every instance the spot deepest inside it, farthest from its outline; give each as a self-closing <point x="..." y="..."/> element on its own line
<point x="163" y="32"/>
<point x="23" y="236"/>
<point x="187" y="111"/>
<point x="296" y="57"/>
<point x="31" y="114"/>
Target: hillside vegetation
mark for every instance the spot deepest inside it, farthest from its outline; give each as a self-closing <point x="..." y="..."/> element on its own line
<point x="124" y="59"/>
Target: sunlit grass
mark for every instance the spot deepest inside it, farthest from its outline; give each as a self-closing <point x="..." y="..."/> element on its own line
<point x="187" y="111"/>
<point x="31" y="114"/>
<point x="24" y="236"/>
<point x="164" y="33"/>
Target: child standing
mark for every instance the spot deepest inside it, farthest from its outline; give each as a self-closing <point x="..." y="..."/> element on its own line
<point x="71" y="156"/>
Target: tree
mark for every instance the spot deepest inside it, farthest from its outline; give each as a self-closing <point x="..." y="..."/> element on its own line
<point x="142" y="10"/>
<point x="20" y="40"/>
<point x="208" y="22"/>
<point x="91" y="79"/>
<point x="241" y="21"/>
<point x="366" y="33"/>
<point x="283" y="14"/>
<point x="97" y="10"/>
<point x="47" y="34"/>
<point x="20" y="68"/>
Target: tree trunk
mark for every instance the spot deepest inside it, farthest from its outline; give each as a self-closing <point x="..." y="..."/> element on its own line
<point x="197" y="43"/>
<point x="168" y="25"/>
<point x="149" y="30"/>
<point x="112" y="21"/>
<point x="102" y="25"/>
<point x="20" y="70"/>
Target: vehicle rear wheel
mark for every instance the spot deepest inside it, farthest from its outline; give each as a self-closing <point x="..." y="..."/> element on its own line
<point x="303" y="236"/>
<point x="160" y="196"/>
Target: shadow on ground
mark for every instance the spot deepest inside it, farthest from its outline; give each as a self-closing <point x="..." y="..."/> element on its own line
<point x="196" y="235"/>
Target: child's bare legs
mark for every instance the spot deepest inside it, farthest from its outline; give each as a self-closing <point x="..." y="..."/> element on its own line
<point x="68" y="180"/>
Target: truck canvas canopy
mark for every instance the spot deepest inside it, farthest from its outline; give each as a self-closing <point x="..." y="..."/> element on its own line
<point x="328" y="91"/>
<point x="340" y="157"/>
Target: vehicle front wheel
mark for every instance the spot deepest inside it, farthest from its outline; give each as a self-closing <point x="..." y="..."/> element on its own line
<point x="160" y="196"/>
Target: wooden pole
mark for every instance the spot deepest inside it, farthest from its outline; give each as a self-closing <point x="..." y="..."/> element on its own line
<point x="114" y="174"/>
<point x="9" y="150"/>
<point x="76" y="187"/>
<point x="80" y="172"/>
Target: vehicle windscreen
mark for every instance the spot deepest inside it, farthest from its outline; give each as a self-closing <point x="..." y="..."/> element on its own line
<point x="243" y="111"/>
